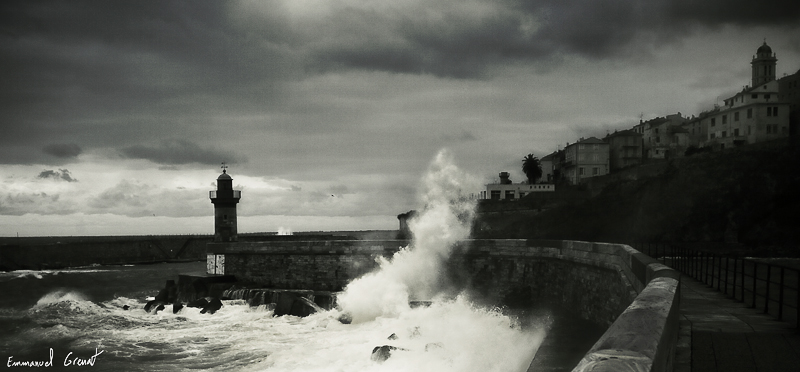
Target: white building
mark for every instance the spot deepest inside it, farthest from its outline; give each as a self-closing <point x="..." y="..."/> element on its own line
<point x="505" y="190"/>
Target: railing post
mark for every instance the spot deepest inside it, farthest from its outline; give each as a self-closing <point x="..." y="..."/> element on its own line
<point x="780" y="296"/>
<point x="725" y="290"/>
<point x="797" y="302"/>
<point x="755" y="283"/>
<point x="766" y="296"/>
<point x="735" y="272"/>
<point x="743" y="276"/>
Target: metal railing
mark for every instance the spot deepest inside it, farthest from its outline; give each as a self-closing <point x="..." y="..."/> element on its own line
<point x="772" y="288"/>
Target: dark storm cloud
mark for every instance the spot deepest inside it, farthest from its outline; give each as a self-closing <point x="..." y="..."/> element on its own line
<point x="63" y="150"/>
<point x="465" y="39"/>
<point x="61" y="174"/>
<point x="176" y="151"/>
<point x="119" y="73"/>
<point x="105" y="72"/>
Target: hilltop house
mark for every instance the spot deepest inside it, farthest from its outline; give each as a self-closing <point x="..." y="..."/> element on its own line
<point x="548" y="164"/>
<point x="584" y="159"/>
<point x="789" y="91"/>
<point x="758" y="113"/>
<point x="625" y="149"/>
<point x="659" y="134"/>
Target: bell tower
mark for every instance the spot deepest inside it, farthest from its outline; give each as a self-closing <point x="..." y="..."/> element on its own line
<point x="225" y="199"/>
<point x="763" y="65"/>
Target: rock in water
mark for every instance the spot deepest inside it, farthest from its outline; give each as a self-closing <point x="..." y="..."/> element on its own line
<point x="176" y="307"/>
<point x="213" y="305"/>
<point x="200" y="303"/>
<point x="381" y="353"/>
<point x="345" y="318"/>
<point x="169" y="293"/>
<point x="393" y="336"/>
<point x="154" y="305"/>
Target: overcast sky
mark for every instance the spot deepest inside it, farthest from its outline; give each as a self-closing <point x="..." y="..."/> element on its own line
<point x="115" y="116"/>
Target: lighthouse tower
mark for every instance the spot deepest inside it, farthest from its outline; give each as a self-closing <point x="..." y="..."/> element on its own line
<point x="225" y="199"/>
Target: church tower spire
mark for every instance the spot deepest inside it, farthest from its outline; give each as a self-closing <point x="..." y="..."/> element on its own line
<point x="763" y="65"/>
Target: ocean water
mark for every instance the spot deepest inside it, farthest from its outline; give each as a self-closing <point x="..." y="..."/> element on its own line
<point x="81" y="317"/>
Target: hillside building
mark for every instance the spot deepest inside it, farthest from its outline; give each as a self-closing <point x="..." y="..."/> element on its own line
<point x="752" y="115"/>
<point x="789" y="91"/>
<point x="507" y="190"/>
<point x="659" y="135"/>
<point x="585" y="159"/>
<point x="625" y="149"/>
<point x="548" y="164"/>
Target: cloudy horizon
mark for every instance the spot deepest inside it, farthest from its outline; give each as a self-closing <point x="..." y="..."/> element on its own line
<point x="116" y="115"/>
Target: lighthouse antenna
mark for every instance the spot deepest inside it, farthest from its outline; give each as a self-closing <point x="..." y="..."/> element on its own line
<point x="224" y="167"/>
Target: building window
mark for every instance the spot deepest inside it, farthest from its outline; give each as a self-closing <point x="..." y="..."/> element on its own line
<point x="754" y="96"/>
<point x="724" y="134"/>
<point x="713" y="135"/>
<point x="595" y="171"/>
<point x="772" y="111"/>
<point x="724" y="119"/>
<point x="509" y="194"/>
<point x="580" y="171"/>
<point x="224" y="217"/>
<point x="749" y="113"/>
<point x="581" y="147"/>
<point x="736" y="116"/>
<point x="736" y="132"/>
<point x="713" y="121"/>
<point x="766" y="96"/>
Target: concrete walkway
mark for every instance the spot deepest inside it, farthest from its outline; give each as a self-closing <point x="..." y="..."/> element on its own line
<point x="720" y="334"/>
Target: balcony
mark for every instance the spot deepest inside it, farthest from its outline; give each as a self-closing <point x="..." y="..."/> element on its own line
<point x="237" y="194"/>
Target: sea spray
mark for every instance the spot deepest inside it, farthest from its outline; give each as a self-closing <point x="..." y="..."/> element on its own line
<point x="415" y="271"/>
<point x="452" y="334"/>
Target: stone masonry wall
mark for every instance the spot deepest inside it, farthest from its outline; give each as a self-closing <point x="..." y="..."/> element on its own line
<point x="592" y="283"/>
<point x="607" y="283"/>
<point x="314" y="265"/>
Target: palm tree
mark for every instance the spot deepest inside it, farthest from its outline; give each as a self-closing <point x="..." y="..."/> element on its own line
<point x="532" y="168"/>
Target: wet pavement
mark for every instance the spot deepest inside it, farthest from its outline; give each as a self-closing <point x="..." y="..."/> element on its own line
<point x="720" y="334"/>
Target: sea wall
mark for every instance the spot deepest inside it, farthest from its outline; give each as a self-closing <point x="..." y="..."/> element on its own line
<point x="610" y="284"/>
<point x="60" y="252"/>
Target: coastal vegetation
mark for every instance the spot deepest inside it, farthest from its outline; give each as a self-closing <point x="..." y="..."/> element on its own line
<point x="745" y="199"/>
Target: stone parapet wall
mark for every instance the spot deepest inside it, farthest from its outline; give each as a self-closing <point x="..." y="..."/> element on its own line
<point x="610" y="284"/>
<point x="314" y="265"/>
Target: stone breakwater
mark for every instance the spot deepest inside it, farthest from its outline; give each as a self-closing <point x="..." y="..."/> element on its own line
<point x="614" y="285"/>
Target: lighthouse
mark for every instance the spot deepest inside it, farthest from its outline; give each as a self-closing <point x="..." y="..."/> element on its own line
<point x="225" y="199"/>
